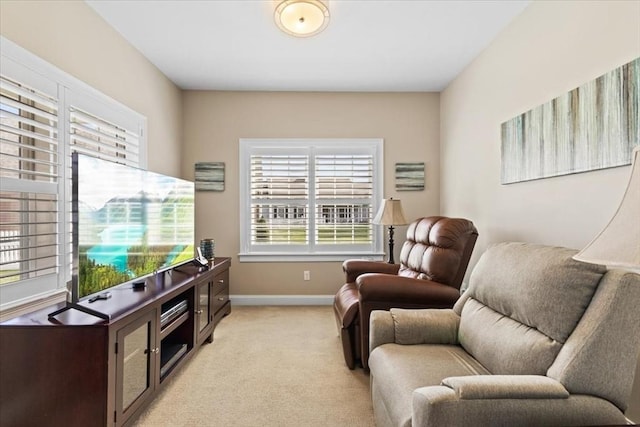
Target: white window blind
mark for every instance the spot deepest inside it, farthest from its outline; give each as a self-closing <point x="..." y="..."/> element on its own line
<point x="29" y="169"/>
<point x="344" y="198"/>
<point x="92" y="135"/>
<point x="279" y="199"/>
<point x="45" y="115"/>
<point x="309" y="198"/>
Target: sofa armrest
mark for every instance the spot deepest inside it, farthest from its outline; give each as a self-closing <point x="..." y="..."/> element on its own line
<point x="394" y="290"/>
<point x="382" y="330"/>
<point x="441" y="406"/>
<point x="355" y="267"/>
<point x="408" y="327"/>
<point x="425" y="326"/>
<point x="506" y="387"/>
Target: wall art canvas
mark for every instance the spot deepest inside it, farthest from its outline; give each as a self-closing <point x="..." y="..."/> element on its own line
<point x="594" y="126"/>
<point x="410" y="176"/>
<point x="209" y="176"/>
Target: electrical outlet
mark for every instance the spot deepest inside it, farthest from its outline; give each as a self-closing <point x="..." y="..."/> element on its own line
<point x="307" y="275"/>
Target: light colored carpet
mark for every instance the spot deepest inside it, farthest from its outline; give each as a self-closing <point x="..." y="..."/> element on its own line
<point x="267" y="366"/>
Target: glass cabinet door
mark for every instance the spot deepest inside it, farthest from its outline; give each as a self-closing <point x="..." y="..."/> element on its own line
<point x="136" y="359"/>
<point x="204" y="310"/>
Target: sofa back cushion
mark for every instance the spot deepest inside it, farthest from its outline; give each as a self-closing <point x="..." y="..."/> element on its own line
<point x="438" y="248"/>
<point x="522" y="304"/>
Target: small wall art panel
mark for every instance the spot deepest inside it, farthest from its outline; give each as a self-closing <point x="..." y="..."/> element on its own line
<point x="410" y="176"/>
<point x="209" y="176"/>
<point x="594" y="126"/>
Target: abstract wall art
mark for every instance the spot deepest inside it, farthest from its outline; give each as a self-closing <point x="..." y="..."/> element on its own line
<point x="209" y="176"/>
<point x="594" y="126"/>
<point x="410" y="176"/>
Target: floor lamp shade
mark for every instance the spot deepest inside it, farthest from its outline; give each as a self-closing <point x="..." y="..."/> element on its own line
<point x="390" y="213"/>
<point x="618" y="244"/>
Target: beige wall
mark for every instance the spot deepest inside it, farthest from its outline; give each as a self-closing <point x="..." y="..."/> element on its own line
<point x="551" y="48"/>
<point x="215" y="121"/>
<point x="71" y="36"/>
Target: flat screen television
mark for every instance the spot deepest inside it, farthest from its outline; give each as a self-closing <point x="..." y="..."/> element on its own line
<point x="128" y="224"/>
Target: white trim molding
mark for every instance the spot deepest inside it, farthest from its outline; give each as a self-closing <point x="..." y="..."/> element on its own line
<point x="281" y="299"/>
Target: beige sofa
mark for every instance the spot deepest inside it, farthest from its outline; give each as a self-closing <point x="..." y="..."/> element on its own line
<point x="537" y="339"/>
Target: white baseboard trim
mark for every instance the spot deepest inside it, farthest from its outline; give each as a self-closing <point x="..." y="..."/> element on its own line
<point x="281" y="299"/>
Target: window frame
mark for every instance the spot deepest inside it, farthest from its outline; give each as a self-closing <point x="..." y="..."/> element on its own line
<point x="28" y="69"/>
<point x="313" y="147"/>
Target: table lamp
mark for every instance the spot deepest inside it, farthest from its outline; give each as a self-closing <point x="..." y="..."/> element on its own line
<point x="390" y="213"/>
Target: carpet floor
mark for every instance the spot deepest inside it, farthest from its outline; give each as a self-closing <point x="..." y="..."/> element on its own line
<point x="267" y="366"/>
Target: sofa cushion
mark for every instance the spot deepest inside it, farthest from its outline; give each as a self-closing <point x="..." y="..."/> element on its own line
<point x="535" y="295"/>
<point x="400" y="369"/>
<point x="508" y="346"/>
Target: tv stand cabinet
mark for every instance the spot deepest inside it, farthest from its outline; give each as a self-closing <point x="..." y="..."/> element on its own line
<point x="76" y="369"/>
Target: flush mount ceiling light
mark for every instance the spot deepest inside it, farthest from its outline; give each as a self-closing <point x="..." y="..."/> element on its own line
<point x="302" y="18"/>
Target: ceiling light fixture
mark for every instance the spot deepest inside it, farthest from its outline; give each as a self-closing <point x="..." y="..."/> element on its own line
<point x="302" y="18"/>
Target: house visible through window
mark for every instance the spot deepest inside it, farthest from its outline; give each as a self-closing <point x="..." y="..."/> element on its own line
<point x="309" y="199"/>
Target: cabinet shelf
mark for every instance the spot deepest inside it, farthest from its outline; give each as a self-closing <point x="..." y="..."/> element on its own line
<point x="169" y="356"/>
<point x="174" y="325"/>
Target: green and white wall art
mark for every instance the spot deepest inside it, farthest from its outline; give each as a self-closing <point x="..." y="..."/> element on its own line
<point x="594" y="126"/>
<point x="410" y="176"/>
<point x="209" y="176"/>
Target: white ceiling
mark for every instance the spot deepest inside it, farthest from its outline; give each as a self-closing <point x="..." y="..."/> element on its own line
<point x="369" y="45"/>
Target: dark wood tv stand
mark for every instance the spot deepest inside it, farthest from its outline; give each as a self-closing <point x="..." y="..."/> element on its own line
<point x="76" y="369"/>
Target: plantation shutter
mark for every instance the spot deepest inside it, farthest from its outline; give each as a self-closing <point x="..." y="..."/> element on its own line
<point x="309" y="199"/>
<point x="29" y="201"/>
<point x="279" y="199"/>
<point x="114" y="139"/>
<point x="95" y="136"/>
<point x="344" y="198"/>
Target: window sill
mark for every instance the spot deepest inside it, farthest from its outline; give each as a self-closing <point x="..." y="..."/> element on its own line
<point x="28" y="305"/>
<point x="306" y="257"/>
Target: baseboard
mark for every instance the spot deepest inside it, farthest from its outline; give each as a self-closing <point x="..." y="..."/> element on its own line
<point x="281" y="299"/>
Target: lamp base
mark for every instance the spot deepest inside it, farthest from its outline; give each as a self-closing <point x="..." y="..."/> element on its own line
<point x="391" y="260"/>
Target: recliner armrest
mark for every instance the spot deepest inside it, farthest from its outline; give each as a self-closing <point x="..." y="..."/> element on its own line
<point x="399" y="289"/>
<point x="407" y="327"/>
<point x="355" y="267"/>
<point x="506" y="387"/>
<point x="381" y="329"/>
<point x="514" y="401"/>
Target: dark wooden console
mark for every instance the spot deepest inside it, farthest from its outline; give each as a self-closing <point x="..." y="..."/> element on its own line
<point x="79" y="370"/>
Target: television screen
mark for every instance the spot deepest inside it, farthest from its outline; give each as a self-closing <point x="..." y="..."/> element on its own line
<point x="128" y="223"/>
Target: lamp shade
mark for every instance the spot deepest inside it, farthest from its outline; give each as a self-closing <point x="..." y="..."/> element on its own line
<point x="618" y="245"/>
<point x="302" y="18"/>
<point x="390" y="213"/>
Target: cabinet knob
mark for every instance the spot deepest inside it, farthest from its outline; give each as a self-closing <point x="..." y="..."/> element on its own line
<point x="221" y="281"/>
<point x="220" y="298"/>
<point x="199" y="311"/>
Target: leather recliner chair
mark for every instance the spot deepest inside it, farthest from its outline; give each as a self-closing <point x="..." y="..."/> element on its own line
<point x="433" y="262"/>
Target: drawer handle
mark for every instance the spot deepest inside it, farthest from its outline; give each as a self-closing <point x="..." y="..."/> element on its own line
<point x="199" y="311"/>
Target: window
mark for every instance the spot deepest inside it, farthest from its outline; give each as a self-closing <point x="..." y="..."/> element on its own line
<point x="46" y="114"/>
<point x="309" y="199"/>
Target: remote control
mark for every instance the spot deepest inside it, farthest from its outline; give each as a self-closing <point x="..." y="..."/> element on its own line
<point x="105" y="295"/>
